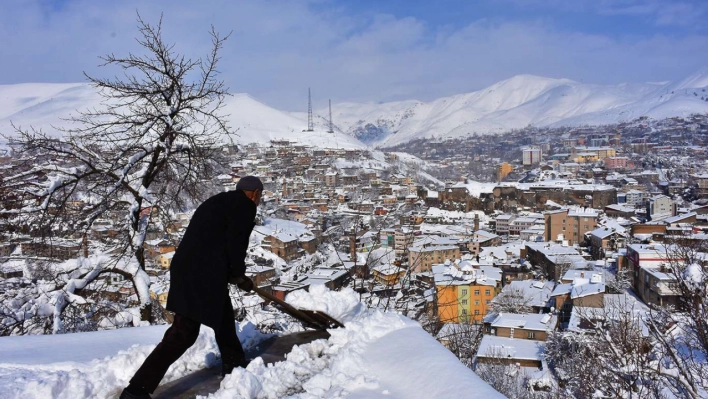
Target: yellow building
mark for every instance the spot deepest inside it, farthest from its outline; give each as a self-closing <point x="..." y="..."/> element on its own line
<point x="388" y="274"/>
<point x="159" y="292"/>
<point x="464" y="291"/>
<point x="164" y="260"/>
<point x="504" y="170"/>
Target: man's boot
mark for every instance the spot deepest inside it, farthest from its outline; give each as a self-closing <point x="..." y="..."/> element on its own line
<point x="228" y="366"/>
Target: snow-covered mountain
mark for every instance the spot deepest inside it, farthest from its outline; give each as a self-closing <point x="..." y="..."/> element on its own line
<point x="518" y="102"/>
<point x="46" y="105"/>
<point x="513" y="103"/>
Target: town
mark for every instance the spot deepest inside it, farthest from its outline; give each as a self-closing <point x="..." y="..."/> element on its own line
<point x="502" y="247"/>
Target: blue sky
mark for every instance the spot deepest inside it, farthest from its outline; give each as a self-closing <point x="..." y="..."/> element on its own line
<point x="368" y="50"/>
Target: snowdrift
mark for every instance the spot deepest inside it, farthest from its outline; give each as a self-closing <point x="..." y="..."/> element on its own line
<point x="377" y="355"/>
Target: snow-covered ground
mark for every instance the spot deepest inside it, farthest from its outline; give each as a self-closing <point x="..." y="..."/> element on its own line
<point x="377" y="355"/>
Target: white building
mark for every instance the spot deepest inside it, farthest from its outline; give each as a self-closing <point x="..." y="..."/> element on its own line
<point x="532" y="155"/>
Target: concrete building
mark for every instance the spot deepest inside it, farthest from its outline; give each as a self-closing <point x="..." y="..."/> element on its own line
<point x="533" y="326"/>
<point x="502" y="223"/>
<point x="532" y="156"/>
<point x="421" y="258"/>
<point x="649" y="265"/>
<point x="569" y="225"/>
<point x="635" y="197"/>
<point x="331" y="179"/>
<point x="659" y="206"/>
<point x="282" y="244"/>
<point x="522" y="223"/>
<point x="617" y="162"/>
<point x="510" y="351"/>
<point x="703" y="185"/>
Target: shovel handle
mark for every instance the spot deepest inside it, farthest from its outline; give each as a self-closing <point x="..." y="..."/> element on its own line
<point x="289" y="309"/>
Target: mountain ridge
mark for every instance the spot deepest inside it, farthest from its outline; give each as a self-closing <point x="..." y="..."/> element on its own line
<point x="517" y="102"/>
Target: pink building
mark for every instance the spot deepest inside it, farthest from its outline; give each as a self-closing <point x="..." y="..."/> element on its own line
<point x="618" y="163"/>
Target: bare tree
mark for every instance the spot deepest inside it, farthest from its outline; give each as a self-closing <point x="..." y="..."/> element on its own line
<point x="681" y="334"/>
<point x="146" y="152"/>
<point x="512" y="300"/>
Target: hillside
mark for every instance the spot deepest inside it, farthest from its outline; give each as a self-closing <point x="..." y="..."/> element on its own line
<point x="46" y="105"/>
<point x="518" y="102"/>
<point x="510" y="104"/>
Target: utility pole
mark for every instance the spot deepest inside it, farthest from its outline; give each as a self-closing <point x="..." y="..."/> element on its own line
<point x="310" y="123"/>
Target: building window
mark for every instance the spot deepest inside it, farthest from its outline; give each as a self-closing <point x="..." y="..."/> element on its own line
<point x="464" y="301"/>
<point x="476" y="292"/>
<point x="487" y="292"/>
<point x="464" y="311"/>
<point x="531" y="335"/>
<point x="476" y="303"/>
<point x="487" y="302"/>
<point x="476" y="312"/>
<point x="464" y="292"/>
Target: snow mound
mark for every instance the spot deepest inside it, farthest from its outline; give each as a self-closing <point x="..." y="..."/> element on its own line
<point x="55" y="366"/>
<point x="377" y="354"/>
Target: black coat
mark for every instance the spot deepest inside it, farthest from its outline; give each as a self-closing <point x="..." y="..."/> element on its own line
<point x="212" y="250"/>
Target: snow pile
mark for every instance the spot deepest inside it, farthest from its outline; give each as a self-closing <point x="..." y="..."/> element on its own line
<point x="96" y="364"/>
<point x="377" y="354"/>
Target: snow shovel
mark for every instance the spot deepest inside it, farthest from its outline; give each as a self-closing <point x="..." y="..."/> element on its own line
<point x="311" y="318"/>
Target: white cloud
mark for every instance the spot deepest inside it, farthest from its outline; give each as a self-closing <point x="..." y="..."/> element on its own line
<point x="279" y="48"/>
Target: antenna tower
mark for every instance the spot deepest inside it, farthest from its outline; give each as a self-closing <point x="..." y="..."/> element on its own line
<point x="331" y="126"/>
<point x="310" y="123"/>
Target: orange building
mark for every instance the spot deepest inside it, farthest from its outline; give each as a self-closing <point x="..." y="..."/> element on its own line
<point x="464" y="291"/>
<point x="503" y="170"/>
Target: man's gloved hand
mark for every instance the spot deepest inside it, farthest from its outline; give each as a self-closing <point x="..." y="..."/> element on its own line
<point x="242" y="282"/>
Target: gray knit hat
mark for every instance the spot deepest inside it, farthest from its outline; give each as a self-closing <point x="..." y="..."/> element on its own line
<point x="249" y="183"/>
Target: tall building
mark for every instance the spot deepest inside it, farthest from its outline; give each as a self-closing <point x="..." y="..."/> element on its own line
<point x="532" y="156"/>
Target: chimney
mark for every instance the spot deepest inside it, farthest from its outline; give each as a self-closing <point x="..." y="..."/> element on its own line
<point x="476" y="222"/>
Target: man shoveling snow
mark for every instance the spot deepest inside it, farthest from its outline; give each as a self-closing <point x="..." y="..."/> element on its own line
<point x="211" y="255"/>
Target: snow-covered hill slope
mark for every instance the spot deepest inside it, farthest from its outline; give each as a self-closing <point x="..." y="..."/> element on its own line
<point x="518" y="102"/>
<point x="376" y="355"/>
<point x="513" y="103"/>
<point x="45" y="105"/>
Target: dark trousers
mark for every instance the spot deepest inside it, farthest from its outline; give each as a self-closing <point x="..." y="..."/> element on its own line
<point x="178" y="338"/>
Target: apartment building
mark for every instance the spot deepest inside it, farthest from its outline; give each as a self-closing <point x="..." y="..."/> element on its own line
<point x="569" y="225"/>
<point x="421" y="258"/>
<point x="502" y="223"/>
<point x="464" y="292"/>
<point x="651" y="274"/>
